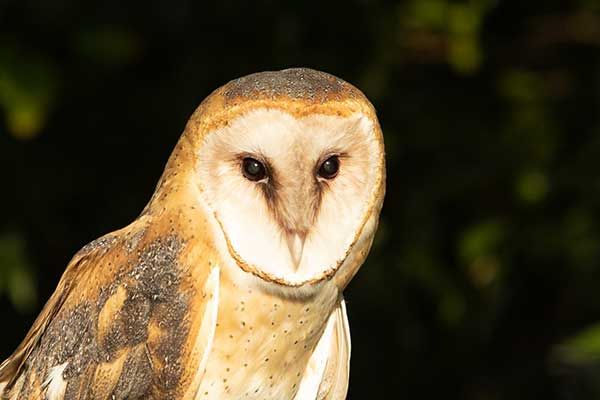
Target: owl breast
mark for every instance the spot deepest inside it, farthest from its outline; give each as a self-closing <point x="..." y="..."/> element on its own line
<point x="262" y="342"/>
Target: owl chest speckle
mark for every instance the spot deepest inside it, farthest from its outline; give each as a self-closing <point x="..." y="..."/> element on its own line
<point x="262" y="343"/>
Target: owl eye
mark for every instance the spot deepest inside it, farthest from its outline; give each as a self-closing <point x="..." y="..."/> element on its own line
<point x="329" y="168"/>
<point x="253" y="169"/>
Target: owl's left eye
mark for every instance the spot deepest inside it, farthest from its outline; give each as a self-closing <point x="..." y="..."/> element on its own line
<point x="253" y="169"/>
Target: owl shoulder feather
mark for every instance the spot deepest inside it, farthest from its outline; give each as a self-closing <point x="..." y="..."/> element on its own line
<point x="118" y="322"/>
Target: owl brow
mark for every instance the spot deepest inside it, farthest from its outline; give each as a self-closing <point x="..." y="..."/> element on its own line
<point x="239" y="157"/>
<point x="333" y="152"/>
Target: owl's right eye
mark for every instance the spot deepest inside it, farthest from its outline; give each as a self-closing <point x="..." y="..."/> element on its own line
<point x="253" y="169"/>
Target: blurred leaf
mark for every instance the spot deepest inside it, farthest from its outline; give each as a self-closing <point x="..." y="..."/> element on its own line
<point x="581" y="238"/>
<point x="464" y="52"/>
<point x="22" y="289"/>
<point x="531" y="127"/>
<point x="113" y="46"/>
<point x="450" y="29"/>
<point x="532" y="186"/>
<point x="480" y="240"/>
<point x="582" y="348"/>
<point x="452" y="307"/>
<point x="520" y="85"/>
<point x="25" y="120"/>
<point x="16" y="275"/>
<point x="478" y="249"/>
<point x="27" y="90"/>
<point x="464" y="19"/>
<point x="425" y="14"/>
<point x="484" y="270"/>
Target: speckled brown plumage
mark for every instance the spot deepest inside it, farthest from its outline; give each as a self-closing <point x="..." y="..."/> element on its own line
<point x="294" y="83"/>
<point x="122" y="287"/>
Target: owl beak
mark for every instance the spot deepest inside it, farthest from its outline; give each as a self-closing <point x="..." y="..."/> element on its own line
<point x="295" y="242"/>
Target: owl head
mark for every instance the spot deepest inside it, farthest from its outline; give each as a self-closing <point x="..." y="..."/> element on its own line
<point x="290" y="165"/>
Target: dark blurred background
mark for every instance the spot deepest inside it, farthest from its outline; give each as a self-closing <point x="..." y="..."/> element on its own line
<point x="484" y="279"/>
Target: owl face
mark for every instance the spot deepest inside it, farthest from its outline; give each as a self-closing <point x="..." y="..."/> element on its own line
<point x="291" y="194"/>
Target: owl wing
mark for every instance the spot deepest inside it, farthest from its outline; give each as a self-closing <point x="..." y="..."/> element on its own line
<point x="328" y="370"/>
<point x="12" y="368"/>
<point x="125" y="322"/>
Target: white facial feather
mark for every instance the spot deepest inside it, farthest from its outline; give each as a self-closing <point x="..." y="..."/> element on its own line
<point x="330" y="212"/>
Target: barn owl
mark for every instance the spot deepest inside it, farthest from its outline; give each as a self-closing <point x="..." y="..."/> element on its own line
<point x="230" y="283"/>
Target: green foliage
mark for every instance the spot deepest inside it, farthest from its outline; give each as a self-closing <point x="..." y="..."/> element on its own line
<point x="27" y="90"/>
<point x="532" y="186"/>
<point x="583" y="348"/>
<point x="108" y="45"/>
<point x="456" y="25"/>
<point x="16" y="275"/>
